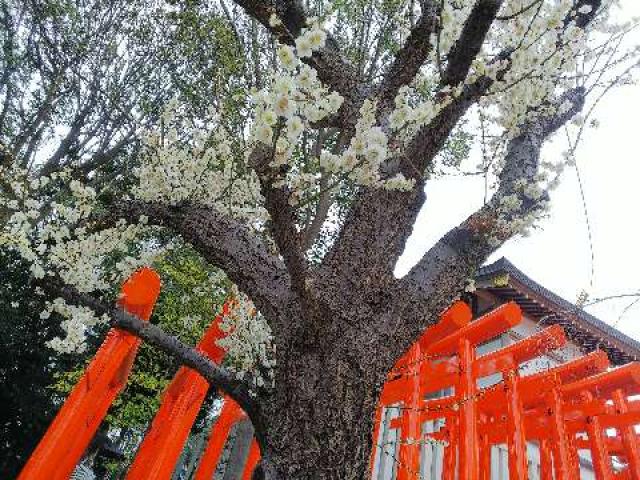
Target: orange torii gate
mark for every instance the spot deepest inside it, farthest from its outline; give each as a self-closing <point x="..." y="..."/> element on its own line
<point x="571" y="407"/>
<point x="563" y="409"/>
<point x="181" y="402"/>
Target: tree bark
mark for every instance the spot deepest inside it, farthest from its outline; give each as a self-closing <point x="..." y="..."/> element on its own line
<point x="320" y="416"/>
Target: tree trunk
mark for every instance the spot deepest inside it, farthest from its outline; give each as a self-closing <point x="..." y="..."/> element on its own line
<point x="321" y="412"/>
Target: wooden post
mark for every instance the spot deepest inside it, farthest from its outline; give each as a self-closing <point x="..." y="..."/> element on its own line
<point x="450" y="451"/>
<point x="468" y="418"/>
<point x="252" y="460"/>
<point x="629" y="437"/>
<point x="485" y="458"/>
<point x="599" y="455"/>
<point x="410" y="430"/>
<point x="546" y="466"/>
<point x="564" y="463"/>
<point x="516" y="443"/>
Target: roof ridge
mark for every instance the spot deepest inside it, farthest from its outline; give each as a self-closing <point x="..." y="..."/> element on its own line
<point x="506" y="266"/>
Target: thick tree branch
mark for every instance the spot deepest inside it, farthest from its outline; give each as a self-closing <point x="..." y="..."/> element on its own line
<point x="283" y="217"/>
<point x="225" y="242"/>
<point x="381" y="221"/>
<point x="333" y="68"/>
<point x="441" y="273"/>
<point x="438" y="278"/>
<point x="468" y="45"/>
<point x="523" y="152"/>
<point x="431" y="138"/>
<point x="381" y="209"/>
<point x="216" y="375"/>
<point x="411" y="57"/>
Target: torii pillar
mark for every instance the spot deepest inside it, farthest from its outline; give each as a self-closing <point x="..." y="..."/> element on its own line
<point x="70" y="433"/>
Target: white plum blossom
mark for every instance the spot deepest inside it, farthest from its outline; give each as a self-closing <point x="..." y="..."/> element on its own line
<point x="274" y="21"/>
<point x="287" y="57"/>
<point x="284" y="106"/>
<point x="264" y="133"/>
<point x="75" y="325"/>
<point x="307" y="77"/>
<point x="335" y="101"/>
<point x="295" y="127"/>
<point x="304" y="47"/>
<point x="248" y="341"/>
<point x="317" y="38"/>
<point x="269" y="118"/>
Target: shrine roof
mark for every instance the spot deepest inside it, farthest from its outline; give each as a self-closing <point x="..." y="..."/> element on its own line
<point x="507" y="282"/>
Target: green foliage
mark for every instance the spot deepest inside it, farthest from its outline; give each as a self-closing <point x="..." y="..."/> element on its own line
<point x="204" y="57"/>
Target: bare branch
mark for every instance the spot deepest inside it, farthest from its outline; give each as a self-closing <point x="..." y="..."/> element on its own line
<point x="283" y="217"/>
<point x="53" y="163"/>
<point x="522" y="10"/>
<point x="40" y="117"/>
<point x="320" y="215"/>
<point x="410" y="58"/>
<point x="313" y="228"/>
<point x="105" y="156"/>
<point x="468" y="45"/>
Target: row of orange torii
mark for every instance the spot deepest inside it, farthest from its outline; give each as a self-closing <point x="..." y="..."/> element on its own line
<point x="566" y="409"/>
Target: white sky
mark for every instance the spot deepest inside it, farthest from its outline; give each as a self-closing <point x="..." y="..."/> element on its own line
<point x="558" y="256"/>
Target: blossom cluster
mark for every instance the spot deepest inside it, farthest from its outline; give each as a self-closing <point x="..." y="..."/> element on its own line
<point x="367" y="151"/>
<point x="75" y="325"/>
<point x="296" y="100"/>
<point x="45" y="222"/>
<point x="202" y="170"/>
<point x="60" y="244"/>
<point x="248" y="341"/>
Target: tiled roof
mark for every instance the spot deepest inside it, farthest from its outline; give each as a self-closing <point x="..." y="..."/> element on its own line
<point x="506" y="281"/>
